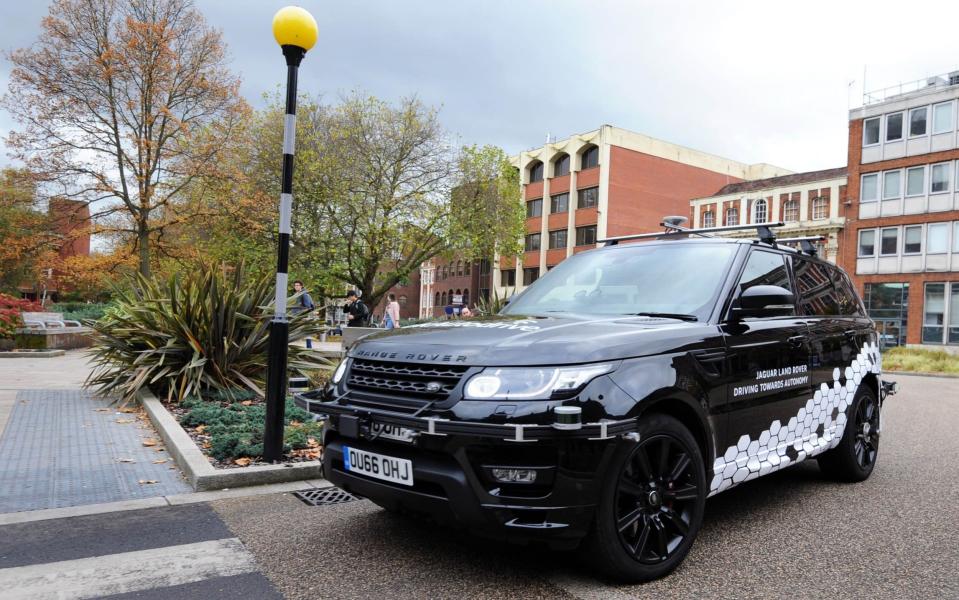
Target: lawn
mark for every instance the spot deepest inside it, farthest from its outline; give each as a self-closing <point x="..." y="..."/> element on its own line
<point x="915" y="359"/>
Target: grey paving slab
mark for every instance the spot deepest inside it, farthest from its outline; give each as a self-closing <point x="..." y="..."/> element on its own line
<point x="58" y="450"/>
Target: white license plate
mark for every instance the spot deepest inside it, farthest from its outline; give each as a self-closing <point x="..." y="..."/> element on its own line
<point x="391" y="432"/>
<point x="379" y="466"/>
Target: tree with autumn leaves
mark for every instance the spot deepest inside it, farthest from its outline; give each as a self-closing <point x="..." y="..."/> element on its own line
<point x="126" y="105"/>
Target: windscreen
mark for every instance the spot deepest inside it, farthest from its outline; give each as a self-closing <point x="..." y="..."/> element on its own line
<point x="655" y="278"/>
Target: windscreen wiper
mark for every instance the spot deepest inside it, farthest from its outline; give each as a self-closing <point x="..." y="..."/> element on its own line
<point x="664" y="315"/>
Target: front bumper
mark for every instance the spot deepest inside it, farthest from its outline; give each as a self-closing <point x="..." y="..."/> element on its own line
<point x="451" y="461"/>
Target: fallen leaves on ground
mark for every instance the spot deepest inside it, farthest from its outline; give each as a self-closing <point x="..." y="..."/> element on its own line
<point x="126" y="460"/>
<point x="243" y="461"/>
<point x="200" y="428"/>
<point x="247" y="403"/>
<point x="149" y="442"/>
<point x="148" y="481"/>
<point x="159" y="461"/>
<point x="127" y="409"/>
<point x="124" y="421"/>
<point x="101" y="410"/>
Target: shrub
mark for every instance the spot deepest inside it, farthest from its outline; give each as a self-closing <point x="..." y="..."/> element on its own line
<point x="11" y="314"/>
<point x="919" y="359"/>
<point x="195" y="333"/>
<point x="80" y="311"/>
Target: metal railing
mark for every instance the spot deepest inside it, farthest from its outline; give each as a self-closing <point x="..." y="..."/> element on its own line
<point x="927" y="83"/>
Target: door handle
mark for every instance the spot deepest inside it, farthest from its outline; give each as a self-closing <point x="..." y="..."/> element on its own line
<point x="796" y="341"/>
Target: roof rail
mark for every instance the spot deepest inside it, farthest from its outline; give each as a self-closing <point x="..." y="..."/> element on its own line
<point x="673" y="229"/>
<point x="805" y="243"/>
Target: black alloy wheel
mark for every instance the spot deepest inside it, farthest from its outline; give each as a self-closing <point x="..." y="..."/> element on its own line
<point x="651" y="503"/>
<point x="854" y="458"/>
<point x="866" y="429"/>
<point x="655" y="499"/>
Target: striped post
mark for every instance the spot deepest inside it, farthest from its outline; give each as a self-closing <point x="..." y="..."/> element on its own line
<point x="280" y="328"/>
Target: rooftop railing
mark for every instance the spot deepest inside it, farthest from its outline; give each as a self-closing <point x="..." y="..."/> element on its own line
<point x="933" y="83"/>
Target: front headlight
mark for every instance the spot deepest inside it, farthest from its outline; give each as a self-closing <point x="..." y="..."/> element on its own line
<point x="532" y="383"/>
<point x="338" y="373"/>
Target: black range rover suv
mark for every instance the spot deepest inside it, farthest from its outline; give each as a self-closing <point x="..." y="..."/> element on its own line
<point x="609" y="399"/>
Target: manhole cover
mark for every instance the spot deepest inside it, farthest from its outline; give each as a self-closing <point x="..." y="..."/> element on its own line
<point x="322" y="497"/>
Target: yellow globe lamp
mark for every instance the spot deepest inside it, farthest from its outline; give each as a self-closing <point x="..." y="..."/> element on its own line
<point x="295" y="26"/>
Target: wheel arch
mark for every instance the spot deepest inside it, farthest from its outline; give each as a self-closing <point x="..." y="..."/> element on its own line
<point x="690" y="415"/>
<point x="872" y="380"/>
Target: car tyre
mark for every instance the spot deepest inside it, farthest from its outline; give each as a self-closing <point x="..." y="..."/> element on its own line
<point x="651" y="504"/>
<point x="855" y="457"/>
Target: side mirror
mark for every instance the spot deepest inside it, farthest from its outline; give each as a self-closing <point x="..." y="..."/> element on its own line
<point x="764" y="301"/>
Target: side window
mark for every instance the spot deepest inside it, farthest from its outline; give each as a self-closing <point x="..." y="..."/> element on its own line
<point x="764" y="268"/>
<point x="817" y="296"/>
<point x="846" y="295"/>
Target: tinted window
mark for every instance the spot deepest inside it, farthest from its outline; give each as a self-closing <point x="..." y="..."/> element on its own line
<point x="894" y="127"/>
<point x="534" y="208"/>
<point x="530" y="274"/>
<point x="588" y="197"/>
<point x="532" y="241"/>
<point x="586" y="235"/>
<point x="845" y="294"/>
<point x="870" y="132"/>
<point x="561" y="166"/>
<point x="559" y="203"/>
<point x="507" y="277"/>
<point x="590" y="158"/>
<point x="817" y="296"/>
<point x="536" y="172"/>
<point x="765" y="268"/>
<point x="557" y="239"/>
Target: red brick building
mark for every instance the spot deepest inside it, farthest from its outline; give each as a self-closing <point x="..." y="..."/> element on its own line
<point x="605" y="183"/>
<point x="902" y="224"/>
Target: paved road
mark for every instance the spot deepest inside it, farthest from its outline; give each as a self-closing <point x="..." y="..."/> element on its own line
<point x="789" y="535"/>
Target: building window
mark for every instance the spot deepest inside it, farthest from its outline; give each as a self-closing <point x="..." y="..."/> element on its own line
<point x="466" y="267"/>
<point x="870" y="132"/>
<point x="459" y="268"/>
<point x="820" y="207"/>
<point x="533" y="241"/>
<point x="484" y="266"/>
<point x="953" y="314"/>
<point x="587" y="198"/>
<point x="466" y="297"/>
<point x="937" y="238"/>
<point x="894" y="127"/>
<point x="867" y="243"/>
<point x="444" y="300"/>
<point x="561" y="166"/>
<point x="791" y="211"/>
<point x="403" y="300"/>
<point x="559" y="203"/>
<point x="870" y="188"/>
<point x="530" y="274"/>
<point x="939" y="179"/>
<point x="888" y="305"/>
<point x="942" y="118"/>
<point x="889" y="243"/>
<point x="536" y="172"/>
<point x="759" y="211"/>
<point x="955" y="236"/>
<point x="586" y="236"/>
<point x="589" y="158"/>
<point x="534" y="208"/>
<point x="917" y="121"/>
<point x="437" y="302"/>
<point x="934" y="313"/>
<point x="709" y="219"/>
<point x="912" y="239"/>
<point x="507" y="277"/>
<point x="732" y="216"/>
<point x="916" y="181"/>
<point x="891" y="185"/>
<point x="557" y="239"/>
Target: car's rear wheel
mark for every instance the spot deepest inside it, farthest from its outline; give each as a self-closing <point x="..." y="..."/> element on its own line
<point x="652" y="503"/>
<point x="855" y="456"/>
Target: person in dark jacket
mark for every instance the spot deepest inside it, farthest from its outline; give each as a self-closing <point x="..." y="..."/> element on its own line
<point x="303" y="304"/>
<point x="357" y="314"/>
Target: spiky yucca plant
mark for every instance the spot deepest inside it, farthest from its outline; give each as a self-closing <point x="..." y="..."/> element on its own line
<point x="195" y="332"/>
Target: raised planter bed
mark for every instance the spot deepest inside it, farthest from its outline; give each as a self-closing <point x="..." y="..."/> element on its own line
<point x="196" y="466"/>
<point x="18" y="353"/>
<point x="50" y="339"/>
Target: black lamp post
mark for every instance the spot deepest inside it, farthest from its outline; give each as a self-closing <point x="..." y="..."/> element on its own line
<point x="296" y="32"/>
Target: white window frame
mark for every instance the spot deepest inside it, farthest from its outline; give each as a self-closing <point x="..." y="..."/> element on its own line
<point x="726" y="215"/>
<point x="955" y="237"/>
<point x="756" y="210"/>
<point x="922" y="188"/>
<point x="786" y="208"/>
<point x="878" y="137"/>
<point x="912" y="110"/>
<point x="928" y="244"/>
<point x="711" y="214"/>
<point x="879" y="241"/>
<point x="878" y="187"/>
<point x="948" y="106"/>
<point x="875" y="246"/>
<point x="902" y="126"/>
<point x="945" y="166"/>
<point x="905" y="229"/>
<point x="812" y="207"/>
<point x="898" y="192"/>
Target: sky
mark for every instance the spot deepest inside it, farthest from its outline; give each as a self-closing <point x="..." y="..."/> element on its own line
<point x="767" y="81"/>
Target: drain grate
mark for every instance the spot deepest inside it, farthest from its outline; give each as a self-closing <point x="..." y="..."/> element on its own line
<point x="322" y="497"/>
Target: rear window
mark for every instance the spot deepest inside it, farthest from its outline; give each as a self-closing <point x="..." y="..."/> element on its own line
<point x="817" y="296"/>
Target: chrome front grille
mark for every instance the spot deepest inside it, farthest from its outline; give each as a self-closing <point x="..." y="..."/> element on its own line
<point x="404" y="380"/>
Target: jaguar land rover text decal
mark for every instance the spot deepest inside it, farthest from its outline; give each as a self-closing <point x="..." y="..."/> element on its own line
<point x="771" y="380"/>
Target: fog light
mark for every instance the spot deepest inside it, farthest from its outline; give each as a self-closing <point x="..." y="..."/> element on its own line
<point x="514" y="475"/>
<point x="567" y="417"/>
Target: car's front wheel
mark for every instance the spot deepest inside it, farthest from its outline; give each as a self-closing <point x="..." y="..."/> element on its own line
<point x="652" y="503"/>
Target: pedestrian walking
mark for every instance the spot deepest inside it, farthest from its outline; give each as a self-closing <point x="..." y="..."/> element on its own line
<point x="357" y="314"/>
<point x="303" y="304"/>
<point x="448" y="310"/>
<point x="391" y="316"/>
